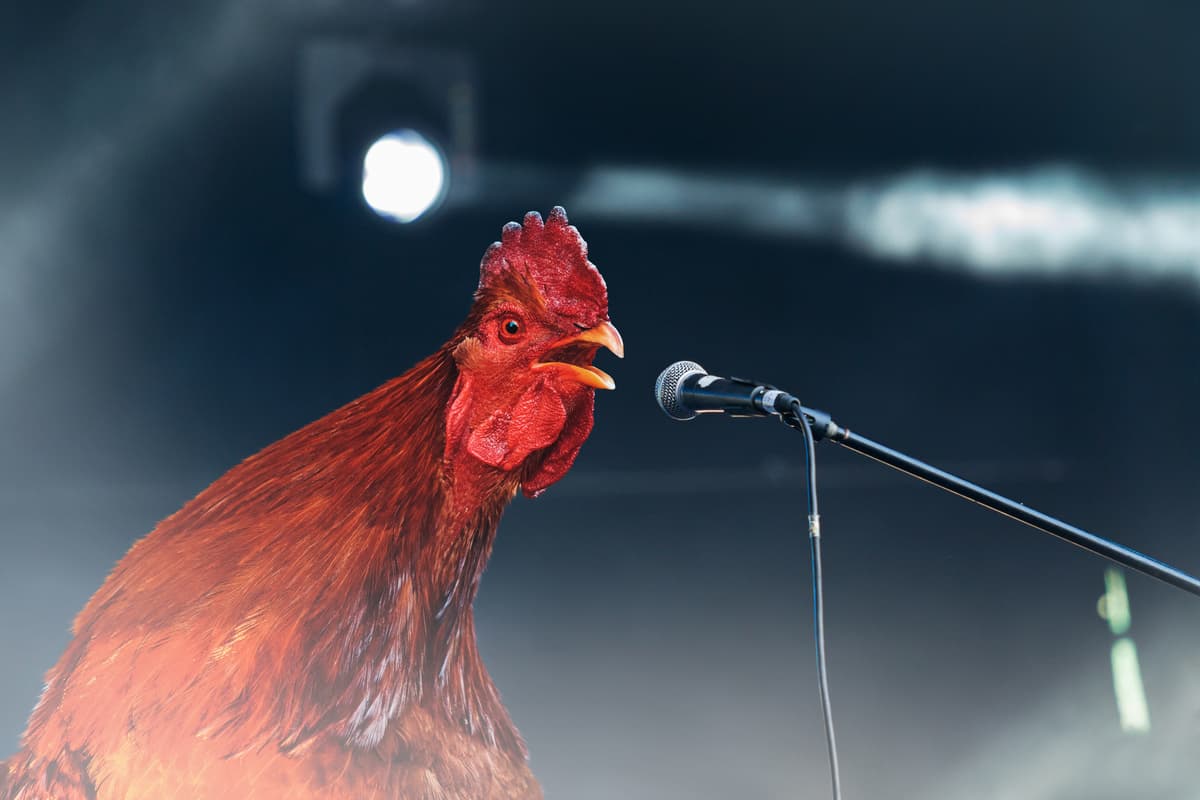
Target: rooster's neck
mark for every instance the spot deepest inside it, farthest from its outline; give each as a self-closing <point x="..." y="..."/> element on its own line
<point x="450" y="567"/>
<point x="448" y="508"/>
<point x="415" y="551"/>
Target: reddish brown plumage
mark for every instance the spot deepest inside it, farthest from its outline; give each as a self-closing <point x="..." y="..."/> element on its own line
<point x="304" y="626"/>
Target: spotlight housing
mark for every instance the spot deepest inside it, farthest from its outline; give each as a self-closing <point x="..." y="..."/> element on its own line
<point x="389" y="124"/>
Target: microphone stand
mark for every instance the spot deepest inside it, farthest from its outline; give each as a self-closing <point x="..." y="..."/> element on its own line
<point x="822" y="426"/>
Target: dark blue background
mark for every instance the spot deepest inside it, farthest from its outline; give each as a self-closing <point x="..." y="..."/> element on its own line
<point x="176" y="302"/>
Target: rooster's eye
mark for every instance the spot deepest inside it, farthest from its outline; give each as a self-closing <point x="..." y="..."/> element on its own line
<point x="511" y="329"/>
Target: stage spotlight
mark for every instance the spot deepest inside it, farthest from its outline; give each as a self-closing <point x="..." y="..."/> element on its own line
<point x="404" y="175"/>
<point x="392" y="124"/>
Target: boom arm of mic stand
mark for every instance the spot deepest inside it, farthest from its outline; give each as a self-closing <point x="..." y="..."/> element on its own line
<point x="823" y="427"/>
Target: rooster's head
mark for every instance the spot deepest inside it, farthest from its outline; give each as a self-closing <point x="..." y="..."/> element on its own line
<point x="526" y="387"/>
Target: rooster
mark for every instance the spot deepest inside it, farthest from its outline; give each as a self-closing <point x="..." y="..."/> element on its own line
<point x="304" y="627"/>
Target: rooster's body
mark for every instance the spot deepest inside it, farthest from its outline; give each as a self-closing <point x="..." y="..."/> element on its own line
<point x="303" y="628"/>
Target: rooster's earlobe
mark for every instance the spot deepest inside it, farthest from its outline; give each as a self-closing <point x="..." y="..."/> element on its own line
<point x="510" y="435"/>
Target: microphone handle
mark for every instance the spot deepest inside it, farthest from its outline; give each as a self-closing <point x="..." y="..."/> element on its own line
<point x="711" y="394"/>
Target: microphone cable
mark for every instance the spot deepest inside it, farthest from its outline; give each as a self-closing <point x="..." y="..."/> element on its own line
<point x="795" y="419"/>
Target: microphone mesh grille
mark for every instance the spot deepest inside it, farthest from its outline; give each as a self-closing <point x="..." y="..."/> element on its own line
<point x="666" y="388"/>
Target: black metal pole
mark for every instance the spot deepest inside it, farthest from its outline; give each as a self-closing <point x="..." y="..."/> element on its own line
<point x="823" y="427"/>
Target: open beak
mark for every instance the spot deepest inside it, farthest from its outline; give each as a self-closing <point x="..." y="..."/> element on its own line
<point x="605" y="335"/>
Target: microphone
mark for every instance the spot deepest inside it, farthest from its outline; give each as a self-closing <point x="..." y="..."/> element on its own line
<point x="685" y="389"/>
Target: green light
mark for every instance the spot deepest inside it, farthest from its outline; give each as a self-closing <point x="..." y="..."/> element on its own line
<point x="1114" y="604"/>
<point x="1132" y="708"/>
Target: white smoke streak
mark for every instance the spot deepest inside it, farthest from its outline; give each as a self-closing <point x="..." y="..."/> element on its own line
<point x="1070" y="745"/>
<point x="1056" y="221"/>
<point x="1051" y="221"/>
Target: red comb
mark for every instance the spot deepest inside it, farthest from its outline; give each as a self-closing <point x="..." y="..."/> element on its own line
<point x="550" y="256"/>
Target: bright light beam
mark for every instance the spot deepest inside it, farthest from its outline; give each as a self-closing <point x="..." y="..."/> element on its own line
<point x="1132" y="708"/>
<point x="47" y="266"/>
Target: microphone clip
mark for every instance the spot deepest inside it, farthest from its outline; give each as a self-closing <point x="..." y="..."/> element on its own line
<point x="757" y="397"/>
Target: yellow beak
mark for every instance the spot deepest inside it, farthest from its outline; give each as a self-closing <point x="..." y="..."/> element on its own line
<point x="606" y="335"/>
